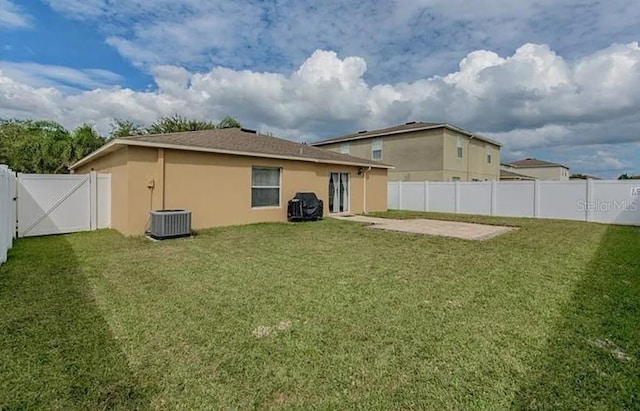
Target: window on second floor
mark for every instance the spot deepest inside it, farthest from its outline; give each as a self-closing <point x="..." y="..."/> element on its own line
<point x="489" y="159"/>
<point x="460" y="147"/>
<point x="376" y="149"/>
<point x="345" y="148"/>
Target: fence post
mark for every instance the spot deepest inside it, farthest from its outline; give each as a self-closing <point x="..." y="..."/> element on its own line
<point x="589" y="198"/>
<point x="93" y="201"/>
<point x="536" y="198"/>
<point x="426" y="195"/>
<point x="5" y="195"/>
<point x="399" y="195"/>
<point x="14" y="204"/>
<point x="494" y="190"/>
<point x="456" y="197"/>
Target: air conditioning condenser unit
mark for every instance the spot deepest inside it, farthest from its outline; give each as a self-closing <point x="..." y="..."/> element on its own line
<point x="167" y="224"/>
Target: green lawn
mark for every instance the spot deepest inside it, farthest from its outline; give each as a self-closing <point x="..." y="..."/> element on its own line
<point x="327" y="315"/>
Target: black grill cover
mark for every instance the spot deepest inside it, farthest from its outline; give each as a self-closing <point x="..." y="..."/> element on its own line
<point x="305" y="206"/>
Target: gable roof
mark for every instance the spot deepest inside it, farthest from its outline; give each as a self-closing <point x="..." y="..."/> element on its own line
<point x="510" y="175"/>
<point x="399" y="129"/>
<point x="235" y="141"/>
<point x="534" y="162"/>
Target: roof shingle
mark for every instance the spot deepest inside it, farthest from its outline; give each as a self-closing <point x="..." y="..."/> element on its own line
<point x="534" y="162"/>
<point x="407" y="127"/>
<point x="241" y="142"/>
<point x="510" y="175"/>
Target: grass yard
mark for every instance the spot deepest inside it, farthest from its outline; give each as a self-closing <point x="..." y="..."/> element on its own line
<point x="327" y="315"/>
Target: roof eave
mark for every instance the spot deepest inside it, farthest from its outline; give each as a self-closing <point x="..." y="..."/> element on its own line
<point x="542" y="166"/>
<point x="103" y="150"/>
<point x="389" y="133"/>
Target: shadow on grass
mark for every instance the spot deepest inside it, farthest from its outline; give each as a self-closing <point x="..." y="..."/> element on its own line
<point x="592" y="359"/>
<point x="56" y="349"/>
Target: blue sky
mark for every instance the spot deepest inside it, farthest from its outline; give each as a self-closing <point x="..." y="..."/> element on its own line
<point x="559" y="82"/>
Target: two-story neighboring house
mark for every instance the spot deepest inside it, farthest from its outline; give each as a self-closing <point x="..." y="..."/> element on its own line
<point x="424" y="151"/>
<point x="539" y="169"/>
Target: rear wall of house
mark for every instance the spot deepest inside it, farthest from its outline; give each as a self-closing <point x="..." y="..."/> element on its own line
<point x="474" y="164"/>
<point x="217" y="187"/>
<point x="430" y="155"/>
<point x="116" y="165"/>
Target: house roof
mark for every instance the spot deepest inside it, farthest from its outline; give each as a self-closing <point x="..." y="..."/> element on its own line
<point x="235" y="141"/>
<point x="585" y="177"/>
<point x="399" y="129"/>
<point x="534" y="162"/>
<point x="510" y="175"/>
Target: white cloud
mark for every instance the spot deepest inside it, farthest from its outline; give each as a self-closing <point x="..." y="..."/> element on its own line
<point x="63" y="78"/>
<point x="532" y="100"/>
<point x="12" y="16"/>
<point x="400" y="39"/>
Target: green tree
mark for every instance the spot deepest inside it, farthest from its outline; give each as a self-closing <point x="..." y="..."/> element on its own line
<point x="125" y="128"/>
<point x="84" y="140"/>
<point x="229" y="122"/>
<point x="30" y="146"/>
<point x="168" y="124"/>
<point x="177" y="123"/>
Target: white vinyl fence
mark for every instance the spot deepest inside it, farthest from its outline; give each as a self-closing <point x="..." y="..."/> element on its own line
<point x="43" y="204"/>
<point x="7" y="211"/>
<point x="604" y="201"/>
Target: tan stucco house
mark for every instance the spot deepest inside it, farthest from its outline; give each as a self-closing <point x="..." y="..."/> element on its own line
<point x="424" y="151"/>
<point x="538" y="169"/>
<point x="229" y="176"/>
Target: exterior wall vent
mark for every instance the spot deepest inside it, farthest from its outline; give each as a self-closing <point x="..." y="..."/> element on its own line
<point x="167" y="224"/>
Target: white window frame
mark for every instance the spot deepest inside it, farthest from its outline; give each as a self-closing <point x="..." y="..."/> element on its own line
<point x="460" y="148"/>
<point x="345" y="148"/>
<point x="489" y="155"/>
<point x="279" y="187"/>
<point x="376" y="145"/>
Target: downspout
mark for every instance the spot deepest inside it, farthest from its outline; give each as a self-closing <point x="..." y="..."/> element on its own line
<point x="364" y="203"/>
<point x="162" y="190"/>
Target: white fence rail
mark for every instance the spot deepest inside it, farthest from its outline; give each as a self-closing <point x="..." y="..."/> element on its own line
<point x="604" y="201"/>
<point x="63" y="203"/>
<point x="7" y="211"/>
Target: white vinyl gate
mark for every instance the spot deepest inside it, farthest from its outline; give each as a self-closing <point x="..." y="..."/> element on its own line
<point x="63" y="203"/>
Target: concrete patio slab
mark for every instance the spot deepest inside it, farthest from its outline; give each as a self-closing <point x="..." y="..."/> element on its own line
<point x="454" y="229"/>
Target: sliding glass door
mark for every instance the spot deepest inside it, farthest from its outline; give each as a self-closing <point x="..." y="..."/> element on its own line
<point x="339" y="192"/>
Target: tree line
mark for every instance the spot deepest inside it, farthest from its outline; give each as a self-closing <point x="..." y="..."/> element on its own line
<point x="46" y="147"/>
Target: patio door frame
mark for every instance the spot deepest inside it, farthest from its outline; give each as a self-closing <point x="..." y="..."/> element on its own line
<point x="341" y="195"/>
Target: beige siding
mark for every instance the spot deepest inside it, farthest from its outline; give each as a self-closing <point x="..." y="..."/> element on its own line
<point x="416" y="175"/>
<point x="413" y="154"/>
<point x="545" y="173"/>
<point x="473" y="164"/>
<point x="431" y="155"/>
